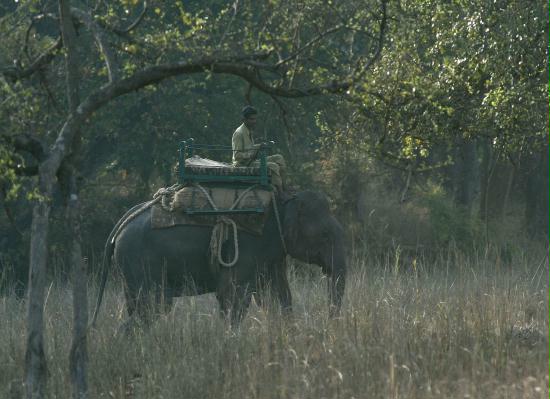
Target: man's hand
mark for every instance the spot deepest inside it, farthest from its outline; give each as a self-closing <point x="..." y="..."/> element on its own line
<point x="255" y="151"/>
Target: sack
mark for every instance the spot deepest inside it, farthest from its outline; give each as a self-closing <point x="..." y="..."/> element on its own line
<point x="196" y="198"/>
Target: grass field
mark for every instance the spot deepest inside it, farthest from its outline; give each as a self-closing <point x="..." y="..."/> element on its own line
<point x="453" y="328"/>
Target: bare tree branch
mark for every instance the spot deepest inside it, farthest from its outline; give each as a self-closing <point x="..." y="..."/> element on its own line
<point x="310" y="43"/>
<point x="379" y="43"/>
<point x="158" y="73"/>
<point x="31" y="25"/>
<point x="288" y="126"/>
<point x="25" y="142"/>
<point x="124" y="32"/>
<point x="98" y="5"/>
<point x="235" y="7"/>
<point x="253" y="78"/>
<point x="248" y="94"/>
<point x="137" y="21"/>
<point x="16" y="73"/>
<point x="99" y="36"/>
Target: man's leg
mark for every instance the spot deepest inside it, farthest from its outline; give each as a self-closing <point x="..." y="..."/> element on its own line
<point x="280" y="161"/>
<point x="275" y="176"/>
<point x="275" y="173"/>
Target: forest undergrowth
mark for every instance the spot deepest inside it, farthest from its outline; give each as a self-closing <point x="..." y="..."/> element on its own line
<point x="453" y="327"/>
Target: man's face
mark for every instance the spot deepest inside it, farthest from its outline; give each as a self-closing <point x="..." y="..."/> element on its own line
<point x="250" y="122"/>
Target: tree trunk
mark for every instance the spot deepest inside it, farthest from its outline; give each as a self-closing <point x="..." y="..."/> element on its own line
<point x="468" y="172"/>
<point x="78" y="357"/>
<point x="509" y="185"/>
<point x="35" y="360"/>
<point x="484" y="179"/>
<point x="536" y="194"/>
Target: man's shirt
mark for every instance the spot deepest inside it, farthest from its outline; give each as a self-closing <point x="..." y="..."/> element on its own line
<point x="243" y="146"/>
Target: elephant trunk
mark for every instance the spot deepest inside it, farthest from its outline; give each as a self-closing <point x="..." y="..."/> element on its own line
<point x="337" y="284"/>
<point x="335" y="268"/>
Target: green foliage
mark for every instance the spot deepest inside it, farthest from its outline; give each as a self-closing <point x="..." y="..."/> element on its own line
<point x="449" y="72"/>
<point x="453" y="76"/>
<point x="454" y="69"/>
<point x="451" y="224"/>
<point x="7" y="174"/>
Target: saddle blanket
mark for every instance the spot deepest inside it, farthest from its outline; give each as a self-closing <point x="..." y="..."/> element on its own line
<point x="197" y="198"/>
<point x="204" y="166"/>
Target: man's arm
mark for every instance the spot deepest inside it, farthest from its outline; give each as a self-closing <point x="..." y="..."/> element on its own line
<point x="241" y="154"/>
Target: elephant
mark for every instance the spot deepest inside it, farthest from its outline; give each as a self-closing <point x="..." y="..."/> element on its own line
<point x="160" y="264"/>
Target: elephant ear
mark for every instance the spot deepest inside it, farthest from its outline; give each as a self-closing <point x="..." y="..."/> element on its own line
<point x="292" y="219"/>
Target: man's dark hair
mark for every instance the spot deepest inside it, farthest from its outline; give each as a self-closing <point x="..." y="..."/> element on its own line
<point x="248" y="111"/>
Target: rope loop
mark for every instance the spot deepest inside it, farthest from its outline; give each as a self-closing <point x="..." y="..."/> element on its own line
<point x="220" y="233"/>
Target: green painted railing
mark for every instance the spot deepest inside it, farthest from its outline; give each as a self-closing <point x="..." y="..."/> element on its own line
<point x="188" y="148"/>
<point x="186" y="175"/>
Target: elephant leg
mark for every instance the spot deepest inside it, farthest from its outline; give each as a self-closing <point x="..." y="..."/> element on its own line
<point x="282" y="289"/>
<point x="138" y="302"/>
<point x="234" y="301"/>
<point x="164" y="299"/>
<point x="136" y="306"/>
<point x="149" y="303"/>
<point x="263" y="291"/>
<point x="274" y="286"/>
<point x="143" y="307"/>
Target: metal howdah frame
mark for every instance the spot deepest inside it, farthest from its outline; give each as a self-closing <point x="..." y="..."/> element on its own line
<point x="188" y="147"/>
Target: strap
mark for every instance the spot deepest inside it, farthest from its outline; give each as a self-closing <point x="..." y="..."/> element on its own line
<point x="242" y="195"/>
<point x="207" y="195"/>
<point x="279" y="226"/>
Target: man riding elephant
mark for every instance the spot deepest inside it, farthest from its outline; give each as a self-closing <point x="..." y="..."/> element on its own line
<point x="245" y="151"/>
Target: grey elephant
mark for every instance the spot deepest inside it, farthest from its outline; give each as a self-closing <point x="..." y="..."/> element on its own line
<point x="160" y="264"/>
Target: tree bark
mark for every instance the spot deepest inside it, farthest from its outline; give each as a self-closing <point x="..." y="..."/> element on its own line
<point x="536" y="194"/>
<point x="486" y="162"/>
<point x="78" y="358"/>
<point x="509" y="184"/>
<point x="35" y="360"/>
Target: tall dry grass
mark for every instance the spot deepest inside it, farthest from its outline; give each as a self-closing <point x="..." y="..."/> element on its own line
<point x="456" y="327"/>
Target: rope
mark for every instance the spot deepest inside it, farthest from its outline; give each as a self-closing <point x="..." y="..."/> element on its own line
<point x="220" y="234"/>
<point x="133" y="215"/>
<point x="167" y="196"/>
<point x="160" y="196"/>
<point x="167" y="190"/>
<point x="276" y="211"/>
<point x="242" y="195"/>
<point x="208" y="197"/>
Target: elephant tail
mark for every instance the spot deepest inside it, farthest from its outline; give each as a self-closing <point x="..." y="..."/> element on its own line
<point x="110" y="248"/>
